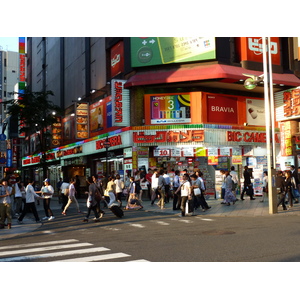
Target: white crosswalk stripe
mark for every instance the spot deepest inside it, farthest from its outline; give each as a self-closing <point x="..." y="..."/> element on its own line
<point x="65" y="248"/>
<point x="95" y="258"/>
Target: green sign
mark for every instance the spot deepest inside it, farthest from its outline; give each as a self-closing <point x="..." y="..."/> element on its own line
<point x="166" y="50"/>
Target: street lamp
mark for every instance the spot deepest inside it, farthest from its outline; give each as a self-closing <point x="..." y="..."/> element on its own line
<point x="106" y="146"/>
<point x="251" y="83"/>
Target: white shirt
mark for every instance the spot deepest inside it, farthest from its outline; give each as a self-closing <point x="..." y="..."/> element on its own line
<point x="72" y="190"/>
<point x="185" y="188"/>
<point x="154" y="181"/>
<point x="30" y="194"/>
<point x="167" y="178"/>
<point x="234" y="176"/>
<point x="47" y="189"/>
<point x="17" y="191"/>
<point x="118" y="183"/>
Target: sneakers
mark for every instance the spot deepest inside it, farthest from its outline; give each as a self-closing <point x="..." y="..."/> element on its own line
<point x="51" y="218"/>
<point x="85" y="220"/>
<point x="101" y="215"/>
<point x="63" y="213"/>
<point x="97" y="220"/>
<point x="45" y="218"/>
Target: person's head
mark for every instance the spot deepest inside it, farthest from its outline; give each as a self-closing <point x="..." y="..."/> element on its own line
<point x="118" y="176"/>
<point x="131" y="178"/>
<point x="194" y="176"/>
<point x="288" y="173"/>
<point x="292" y="168"/>
<point x="4" y="182"/>
<point x="245" y="168"/>
<point x="111" y="178"/>
<point x="265" y="173"/>
<point x="89" y="180"/>
<point x="177" y="172"/>
<point x="186" y="176"/>
<point x="47" y="181"/>
<point x="279" y="173"/>
<point x="226" y="173"/>
<point x="232" y="168"/>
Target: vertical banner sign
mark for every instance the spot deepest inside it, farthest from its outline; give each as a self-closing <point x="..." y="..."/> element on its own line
<point x="82" y="118"/>
<point x="22" y="74"/>
<point x="120" y="103"/>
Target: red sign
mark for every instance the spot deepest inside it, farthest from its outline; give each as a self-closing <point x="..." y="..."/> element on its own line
<point x="113" y="141"/>
<point x="221" y="109"/>
<point x="117" y="59"/>
<point x="22" y="77"/>
<point x="118" y="87"/>
<point x="248" y="137"/>
<point x="251" y="49"/>
<point x="169" y="136"/>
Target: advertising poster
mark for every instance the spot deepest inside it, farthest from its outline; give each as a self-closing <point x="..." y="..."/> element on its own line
<point x="170" y="109"/>
<point x="255" y="112"/>
<point x="100" y="116"/>
<point x="82" y="117"/>
<point x="222" y="109"/>
<point x="149" y="51"/>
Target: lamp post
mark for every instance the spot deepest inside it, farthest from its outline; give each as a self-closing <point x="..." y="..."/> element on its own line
<point x="251" y="83"/>
<point x="106" y="146"/>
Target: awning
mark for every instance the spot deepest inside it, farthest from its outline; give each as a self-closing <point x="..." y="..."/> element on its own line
<point x="225" y="73"/>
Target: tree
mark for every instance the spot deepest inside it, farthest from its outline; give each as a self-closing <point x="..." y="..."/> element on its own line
<point x="35" y="113"/>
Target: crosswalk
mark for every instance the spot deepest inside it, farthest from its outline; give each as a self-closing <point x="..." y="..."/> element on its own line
<point x="70" y="250"/>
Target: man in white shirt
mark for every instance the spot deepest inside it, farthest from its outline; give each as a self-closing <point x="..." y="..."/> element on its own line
<point x="30" y="203"/>
<point x="154" y="186"/>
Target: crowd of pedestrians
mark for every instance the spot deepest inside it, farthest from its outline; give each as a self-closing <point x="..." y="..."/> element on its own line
<point x="186" y="190"/>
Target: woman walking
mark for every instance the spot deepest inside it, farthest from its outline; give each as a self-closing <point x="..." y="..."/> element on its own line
<point x="229" y="197"/>
<point x="71" y="197"/>
<point x="111" y="190"/>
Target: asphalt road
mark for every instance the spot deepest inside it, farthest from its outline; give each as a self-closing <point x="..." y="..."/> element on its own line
<point x="155" y="237"/>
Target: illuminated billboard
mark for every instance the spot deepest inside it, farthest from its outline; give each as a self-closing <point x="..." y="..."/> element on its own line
<point x="149" y="51"/>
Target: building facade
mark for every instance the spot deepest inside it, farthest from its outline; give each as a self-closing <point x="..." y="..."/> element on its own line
<point x="178" y="103"/>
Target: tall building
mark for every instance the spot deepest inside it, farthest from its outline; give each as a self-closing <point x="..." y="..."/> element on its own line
<point x="178" y="103"/>
<point x="9" y="78"/>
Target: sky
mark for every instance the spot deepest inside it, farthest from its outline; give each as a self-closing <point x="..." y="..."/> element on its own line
<point x="9" y="44"/>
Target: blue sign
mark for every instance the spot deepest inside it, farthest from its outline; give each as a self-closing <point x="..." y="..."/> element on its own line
<point x="2" y="137"/>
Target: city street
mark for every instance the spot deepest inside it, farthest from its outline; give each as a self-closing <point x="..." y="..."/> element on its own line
<point x="159" y="237"/>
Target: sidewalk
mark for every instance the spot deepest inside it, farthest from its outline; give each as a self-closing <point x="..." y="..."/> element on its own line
<point x="246" y="208"/>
